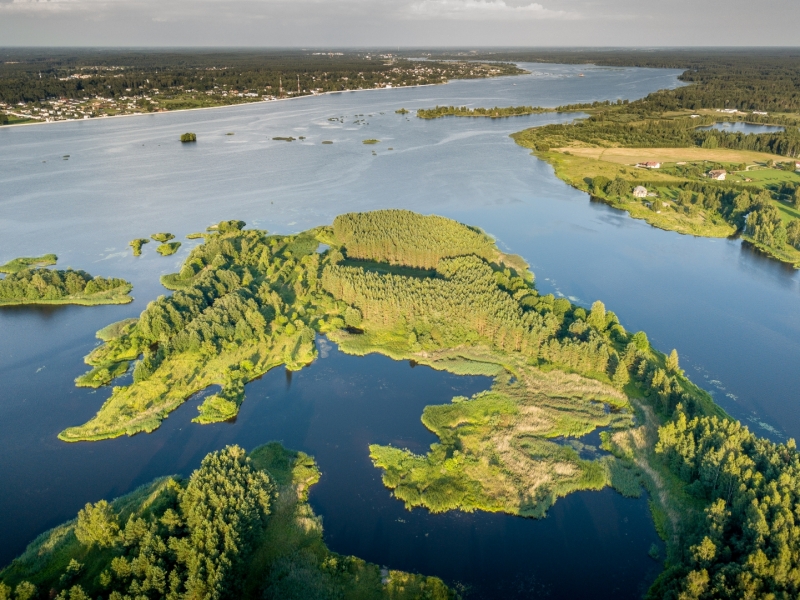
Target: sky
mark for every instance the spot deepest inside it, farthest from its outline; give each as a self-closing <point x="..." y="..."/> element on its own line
<point x="406" y="23"/>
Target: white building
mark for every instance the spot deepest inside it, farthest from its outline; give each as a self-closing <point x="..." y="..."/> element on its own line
<point x="640" y="191"/>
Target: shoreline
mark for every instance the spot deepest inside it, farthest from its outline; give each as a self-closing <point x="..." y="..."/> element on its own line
<point x="222" y="106"/>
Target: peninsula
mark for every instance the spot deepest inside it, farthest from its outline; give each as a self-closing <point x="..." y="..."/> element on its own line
<point x="666" y="160"/>
<point x="179" y="538"/>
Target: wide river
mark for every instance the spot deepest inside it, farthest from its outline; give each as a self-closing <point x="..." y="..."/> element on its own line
<point x="84" y="189"/>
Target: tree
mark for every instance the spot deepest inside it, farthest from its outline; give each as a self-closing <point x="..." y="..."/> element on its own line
<point x="597" y="316"/>
<point x="672" y="362"/>
<point x="640" y="339"/>
<point x="618" y="187"/>
<point x="25" y="590"/>
<point x="793" y="233"/>
<point x="621" y="376"/>
<point x="599" y="184"/>
<point x="97" y="524"/>
<point x="797" y="197"/>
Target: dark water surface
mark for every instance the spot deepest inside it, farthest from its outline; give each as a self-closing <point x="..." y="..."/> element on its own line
<point x="731" y="313"/>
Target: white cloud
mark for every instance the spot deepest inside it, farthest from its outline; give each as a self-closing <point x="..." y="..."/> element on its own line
<point x="485" y="9"/>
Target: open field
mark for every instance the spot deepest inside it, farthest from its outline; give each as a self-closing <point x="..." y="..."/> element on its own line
<point x="631" y="156"/>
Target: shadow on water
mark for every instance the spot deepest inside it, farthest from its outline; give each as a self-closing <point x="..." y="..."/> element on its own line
<point x="43" y="312"/>
<point x="761" y="260"/>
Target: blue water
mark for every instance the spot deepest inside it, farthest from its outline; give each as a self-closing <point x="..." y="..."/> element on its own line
<point x="732" y="314"/>
<point x="746" y="128"/>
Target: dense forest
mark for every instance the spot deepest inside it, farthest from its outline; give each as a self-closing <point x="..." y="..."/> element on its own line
<point x="238" y="527"/>
<point x="49" y="286"/>
<point x="745" y="543"/>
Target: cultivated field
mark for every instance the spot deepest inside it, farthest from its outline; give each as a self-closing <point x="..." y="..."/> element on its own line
<point x="631" y="156"/>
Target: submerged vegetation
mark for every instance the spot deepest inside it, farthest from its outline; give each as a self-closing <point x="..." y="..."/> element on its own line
<point x="26" y="262"/>
<point x="49" y="286"/>
<point x="239" y="527"/>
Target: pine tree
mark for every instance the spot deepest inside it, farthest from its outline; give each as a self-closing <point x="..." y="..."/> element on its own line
<point x="673" y="365"/>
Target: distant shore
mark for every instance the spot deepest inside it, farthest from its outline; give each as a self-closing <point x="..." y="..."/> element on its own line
<point x="402" y="87"/>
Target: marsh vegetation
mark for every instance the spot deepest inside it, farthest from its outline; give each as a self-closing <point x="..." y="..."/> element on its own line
<point x="26" y="262"/>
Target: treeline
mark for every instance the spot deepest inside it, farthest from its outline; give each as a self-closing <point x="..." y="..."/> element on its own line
<point x="751" y="79"/>
<point x="746" y="542"/>
<point x="31" y="285"/>
<point x="406" y="238"/>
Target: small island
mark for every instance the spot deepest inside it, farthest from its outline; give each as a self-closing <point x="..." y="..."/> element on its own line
<point x="168" y="248"/>
<point x="137" y="244"/>
<point x="178" y="537"/>
<point x="188" y="137"/>
<point x="371" y="141"/>
<point x="502" y="112"/>
<point x="162" y="237"/>
<point x="284" y="139"/>
<point x="46" y="286"/>
<point x="26" y="262"/>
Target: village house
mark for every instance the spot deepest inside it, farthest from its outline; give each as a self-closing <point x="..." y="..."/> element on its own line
<point x="797" y="166"/>
<point x="718" y="174"/>
<point x="649" y="165"/>
<point x="640" y="191"/>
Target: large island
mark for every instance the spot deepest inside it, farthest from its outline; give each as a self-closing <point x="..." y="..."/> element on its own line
<point x="440" y="293"/>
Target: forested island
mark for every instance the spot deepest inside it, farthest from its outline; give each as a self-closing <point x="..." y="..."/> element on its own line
<point x="661" y="160"/>
<point x="440" y="293"/>
<point x="239" y="527"/>
<point x="28" y="282"/>
<point x="498" y="112"/>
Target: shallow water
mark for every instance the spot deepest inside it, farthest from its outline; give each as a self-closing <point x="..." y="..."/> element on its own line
<point x="731" y="313"/>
